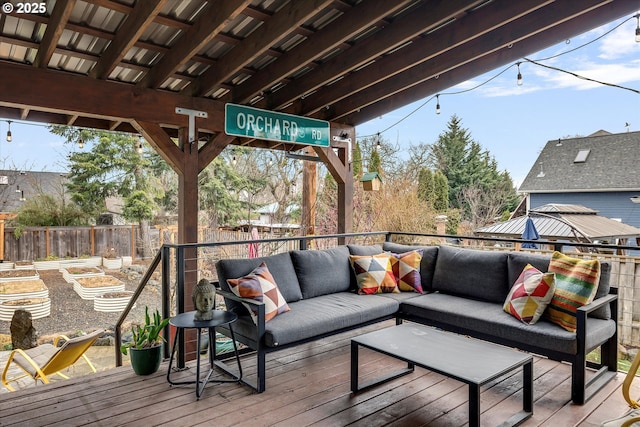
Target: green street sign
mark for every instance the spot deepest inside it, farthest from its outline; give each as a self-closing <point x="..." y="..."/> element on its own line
<point x="249" y="122"/>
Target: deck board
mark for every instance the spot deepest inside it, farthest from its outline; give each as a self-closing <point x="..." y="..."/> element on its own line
<point x="307" y="385"/>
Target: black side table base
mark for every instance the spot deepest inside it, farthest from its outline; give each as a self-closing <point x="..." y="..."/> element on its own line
<point x="199" y="382"/>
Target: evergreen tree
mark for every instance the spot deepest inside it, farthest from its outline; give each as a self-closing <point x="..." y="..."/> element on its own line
<point x="356" y="159"/>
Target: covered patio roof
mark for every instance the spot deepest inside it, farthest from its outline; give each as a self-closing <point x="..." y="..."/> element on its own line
<point x="127" y="65"/>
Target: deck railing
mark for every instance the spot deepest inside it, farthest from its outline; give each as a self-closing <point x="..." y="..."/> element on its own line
<point x="187" y="263"/>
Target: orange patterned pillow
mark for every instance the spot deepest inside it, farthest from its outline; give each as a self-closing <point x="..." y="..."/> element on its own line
<point x="406" y="270"/>
<point x="373" y="274"/>
<point x="260" y="286"/>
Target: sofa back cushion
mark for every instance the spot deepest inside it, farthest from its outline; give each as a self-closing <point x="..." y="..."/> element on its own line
<point x="427" y="264"/>
<point x="279" y="265"/>
<point x="322" y="272"/>
<point x="364" y="249"/>
<point x="472" y="273"/>
<point x="518" y="260"/>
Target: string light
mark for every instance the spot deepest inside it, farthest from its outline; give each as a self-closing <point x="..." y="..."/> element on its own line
<point x="536" y="62"/>
<point x="378" y="143"/>
<point x="9" y="137"/>
<point x="519" y="75"/>
<point x="139" y="146"/>
<point x="80" y="144"/>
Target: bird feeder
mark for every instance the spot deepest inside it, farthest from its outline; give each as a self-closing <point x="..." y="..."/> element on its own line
<point x="371" y="181"/>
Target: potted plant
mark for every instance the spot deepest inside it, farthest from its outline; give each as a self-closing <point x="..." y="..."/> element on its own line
<point x="145" y="346"/>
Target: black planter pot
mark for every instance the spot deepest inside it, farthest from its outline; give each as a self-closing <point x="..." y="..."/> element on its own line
<point x="147" y="360"/>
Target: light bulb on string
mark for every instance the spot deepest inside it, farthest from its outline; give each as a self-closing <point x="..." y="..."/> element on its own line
<point x="438" y="104"/>
<point x="80" y="144"/>
<point x="378" y="143"/>
<point x="519" y="75"/>
<point x="9" y="136"/>
<point x="638" y="29"/>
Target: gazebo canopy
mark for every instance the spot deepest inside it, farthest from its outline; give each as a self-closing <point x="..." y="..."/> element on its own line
<point x="563" y="222"/>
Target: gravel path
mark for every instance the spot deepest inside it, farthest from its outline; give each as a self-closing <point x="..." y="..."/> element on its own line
<point x="70" y="313"/>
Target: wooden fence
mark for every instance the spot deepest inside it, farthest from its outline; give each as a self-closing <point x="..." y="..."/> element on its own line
<point x="40" y="243"/>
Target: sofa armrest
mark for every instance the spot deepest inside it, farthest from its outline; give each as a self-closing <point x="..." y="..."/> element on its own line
<point x="256" y="305"/>
<point x="581" y="318"/>
<point x="597" y="303"/>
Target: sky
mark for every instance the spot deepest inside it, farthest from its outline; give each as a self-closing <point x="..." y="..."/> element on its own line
<point x="511" y="122"/>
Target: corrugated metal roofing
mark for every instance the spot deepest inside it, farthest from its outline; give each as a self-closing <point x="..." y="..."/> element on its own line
<point x="562" y="224"/>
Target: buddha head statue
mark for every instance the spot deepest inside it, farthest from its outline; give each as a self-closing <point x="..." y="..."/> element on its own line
<point x="203" y="297"/>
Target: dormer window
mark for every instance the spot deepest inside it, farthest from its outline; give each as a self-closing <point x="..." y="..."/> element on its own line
<point x="581" y="157"/>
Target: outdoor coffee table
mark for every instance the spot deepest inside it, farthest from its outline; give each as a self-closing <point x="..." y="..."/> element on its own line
<point x="471" y="361"/>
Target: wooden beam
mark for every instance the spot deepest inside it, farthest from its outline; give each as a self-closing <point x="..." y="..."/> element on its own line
<point x="548" y="37"/>
<point x="162" y="143"/>
<point x="137" y="21"/>
<point x="291" y="16"/>
<point x="212" y="149"/>
<point x="400" y="31"/>
<point x="47" y="90"/>
<point x="55" y="26"/>
<point x="212" y="21"/>
<point x="469" y="30"/>
<point x="353" y="21"/>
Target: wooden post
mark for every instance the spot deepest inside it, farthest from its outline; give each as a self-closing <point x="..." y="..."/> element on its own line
<point x="309" y="191"/>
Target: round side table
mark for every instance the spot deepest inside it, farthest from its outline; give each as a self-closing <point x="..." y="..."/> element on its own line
<point x="187" y="321"/>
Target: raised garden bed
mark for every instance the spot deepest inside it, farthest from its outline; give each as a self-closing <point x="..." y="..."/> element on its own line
<point x="90" y="287"/>
<point x="23" y="289"/>
<point x="112" y="301"/>
<point x="21" y="274"/>
<point x="70" y="273"/>
<point x="38" y="307"/>
<point x="23" y="265"/>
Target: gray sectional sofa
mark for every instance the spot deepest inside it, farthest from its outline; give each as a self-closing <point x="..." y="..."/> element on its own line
<point x="464" y="291"/>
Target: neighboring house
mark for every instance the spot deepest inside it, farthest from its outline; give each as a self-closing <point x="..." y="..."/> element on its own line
<point x="600" y="172"/>
<point x="16" y="187"/>
<point x="266" y="224"/>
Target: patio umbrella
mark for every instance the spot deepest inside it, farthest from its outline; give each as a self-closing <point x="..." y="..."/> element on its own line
<point x="530" y="233"/>
<point x="253" y="247"/>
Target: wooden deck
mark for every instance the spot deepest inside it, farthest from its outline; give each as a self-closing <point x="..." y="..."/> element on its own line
<point x="306" y="385"/>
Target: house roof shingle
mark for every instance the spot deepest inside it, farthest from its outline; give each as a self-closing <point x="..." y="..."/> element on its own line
<point x="610" y="165"/>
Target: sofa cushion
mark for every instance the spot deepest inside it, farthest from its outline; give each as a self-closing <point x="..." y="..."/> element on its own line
<point x="517" y="261"/>
<point x="325" y="314"/>
<point x="530" y="295"/>
<point x="406" y="270"/>
<point x="279" y="265"/>
<point x="603" y="291"/>
<point x="427" y="264"/>
<point x="576" y="285"/>
<point x="322" y="272"/>
<point x="260" y="285"/>
<point x="487" y="320"/>
<point x="365" y="249"/>
<point x="373" y="274"/>
<point x="472" y="273"/>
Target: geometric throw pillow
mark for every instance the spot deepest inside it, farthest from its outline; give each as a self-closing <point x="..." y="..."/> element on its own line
<point x="259" y="285"/>
<point x="406" y="270"/>
<point x="373" y="274"/>
<point x="530" y="295"/>
<point x="576" y="285"/>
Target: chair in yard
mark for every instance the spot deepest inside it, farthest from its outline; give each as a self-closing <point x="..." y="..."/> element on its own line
<point x="632" y="417"/>
<point x="45" y="360"/>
